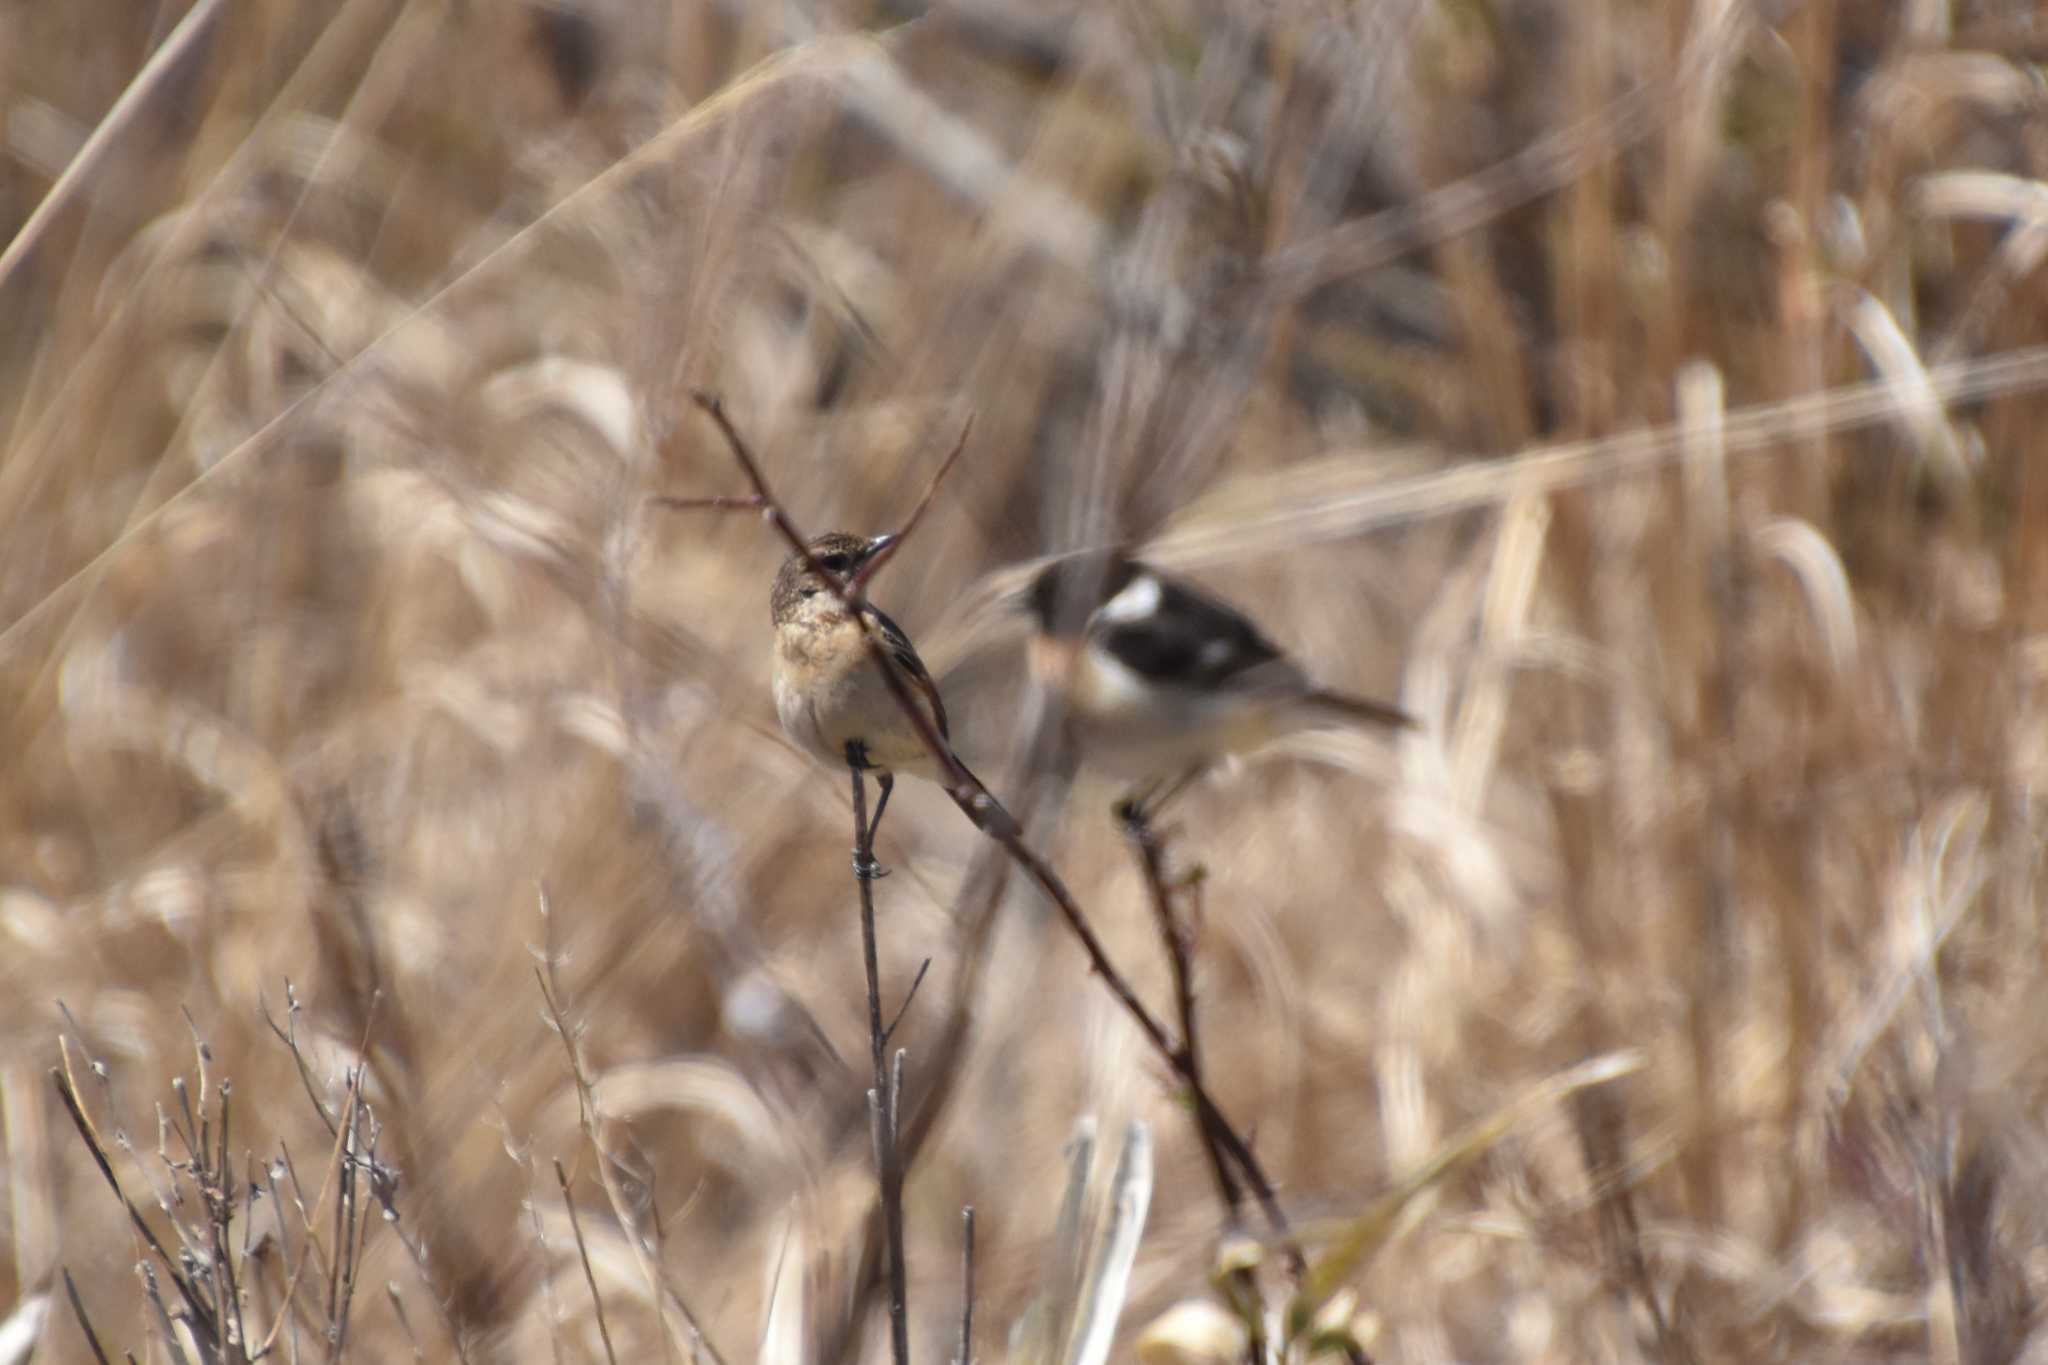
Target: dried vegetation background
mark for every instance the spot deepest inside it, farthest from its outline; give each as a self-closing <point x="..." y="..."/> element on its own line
<point x="1480" y="345"/>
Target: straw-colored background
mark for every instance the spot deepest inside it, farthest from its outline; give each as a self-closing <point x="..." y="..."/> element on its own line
<point x="338" y="368"/>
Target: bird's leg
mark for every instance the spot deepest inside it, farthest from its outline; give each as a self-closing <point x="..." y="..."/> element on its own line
<point x="1141" y="805"/>
<point x="864" y="865"/>
<point x="1130" y="811"/>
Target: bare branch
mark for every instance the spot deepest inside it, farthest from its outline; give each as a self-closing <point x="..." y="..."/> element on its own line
<point x="874" y="562"/>
<point x="882" y="1097"/>
<point x="908" y="996"/>
<point x="202" y="1319"/>
<point x="586" y="1103"/>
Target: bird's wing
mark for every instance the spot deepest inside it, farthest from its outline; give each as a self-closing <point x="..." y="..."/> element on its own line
<point x="905" y="655"/>
<point x="1173" y="635"/>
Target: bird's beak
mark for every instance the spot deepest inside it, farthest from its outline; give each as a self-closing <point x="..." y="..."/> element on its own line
<point x="877" y="545"/>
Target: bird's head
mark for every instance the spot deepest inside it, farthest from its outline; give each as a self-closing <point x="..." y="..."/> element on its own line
<point x="1068" y="590"/>
<point x="799" y="591"/>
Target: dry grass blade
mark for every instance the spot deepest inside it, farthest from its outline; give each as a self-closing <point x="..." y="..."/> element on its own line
<point x="1374" y="502"/>
<point x="604" y="1330"/>
<point x="1893" y="355"/>
<point x="588" y="1115"/>
<point x="272" y="433"/>
<point x="193" y="29"/>
<point x="92" y="1338"/>
<point x="1106" y="1283"/>
<point x="23" y="1327"/>
<point x="200" y="1315"/>
<point x="1358" y="1239"/>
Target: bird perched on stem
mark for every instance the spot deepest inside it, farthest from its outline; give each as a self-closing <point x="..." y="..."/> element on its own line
<point x="830" y="694"/>
<point x="1160" y="680"/>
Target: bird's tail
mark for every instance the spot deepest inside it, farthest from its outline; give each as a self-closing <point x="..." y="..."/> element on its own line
<point x="1349" y="710"/>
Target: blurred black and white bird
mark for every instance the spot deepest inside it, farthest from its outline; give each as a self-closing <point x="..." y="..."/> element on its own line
<point x="1160" y="679"/>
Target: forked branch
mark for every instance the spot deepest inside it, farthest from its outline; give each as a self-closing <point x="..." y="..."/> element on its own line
<point x="992" y="820"/>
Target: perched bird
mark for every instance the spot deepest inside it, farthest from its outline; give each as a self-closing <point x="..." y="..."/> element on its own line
<point x="830" y="695"/>
<point x="1159" y="679"/>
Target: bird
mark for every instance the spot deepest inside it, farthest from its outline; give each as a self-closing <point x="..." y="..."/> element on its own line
<point x="830" y="695"/>
<point x="1159" y="679"/>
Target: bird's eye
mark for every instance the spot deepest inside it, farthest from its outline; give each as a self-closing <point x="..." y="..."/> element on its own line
<point x="836" y="561"/>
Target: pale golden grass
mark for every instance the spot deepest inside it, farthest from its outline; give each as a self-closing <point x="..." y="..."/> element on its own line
<point x="1646" y="397"/>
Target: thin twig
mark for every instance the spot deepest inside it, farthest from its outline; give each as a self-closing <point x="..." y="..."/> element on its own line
<point x="1175" y="936"/>
<point x="882" y="1098"/>
<point x="966" y="1355"/>
<point x="335" y="1161"/>
<point x="908" y="996"/>
<point x="550" y="1309"/>
<point x="219" y="1191"/>
<point x="165" y="1323"/>
<point x="289" y="1036"/>
<point x="874" y="562"/>
<point x="583" y="1254"/>
<point x="989" y="817"/>
<point x="587" y="1114"/>
<point x="201" y="1319"/>
<point x="383" y="1180"/>
<point x="1206" y="1110"/>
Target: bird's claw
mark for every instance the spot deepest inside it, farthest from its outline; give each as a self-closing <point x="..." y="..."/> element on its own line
<point x="867" y="869"/>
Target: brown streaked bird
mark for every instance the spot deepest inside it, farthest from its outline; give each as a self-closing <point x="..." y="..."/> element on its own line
<point x="1160" y="679"/>
<point x="830" y="695"/>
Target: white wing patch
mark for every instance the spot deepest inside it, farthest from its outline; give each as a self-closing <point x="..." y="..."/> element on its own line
<point x="1106" y="689"/>
<point x="1138" y="600"/>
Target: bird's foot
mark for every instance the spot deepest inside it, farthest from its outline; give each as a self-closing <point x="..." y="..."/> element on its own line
<point x="867" y="869"/>
<point x="1134" y="815"/>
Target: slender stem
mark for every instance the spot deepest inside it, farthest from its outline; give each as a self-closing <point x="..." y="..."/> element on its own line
<point x="966" y="1356"/>
<point x="875" y="561"/>
<point x="1152" y="861"/>
<point x="882" y="1098"/>
<point x="92" y="1338"/>
<point x="604" y="1332"/>
<point x="1206" y="1110"/>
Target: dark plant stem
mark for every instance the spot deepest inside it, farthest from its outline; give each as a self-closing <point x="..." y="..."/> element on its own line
<point x="1177" y="937"/>
<point x="604" y="1331"/>
<point x="92" y="1338"/>
<point x="882" y="1098"/>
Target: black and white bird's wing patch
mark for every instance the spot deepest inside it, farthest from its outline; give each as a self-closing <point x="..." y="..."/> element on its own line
<point x="1175" y="636"/>
<point x="914" y="672"/>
